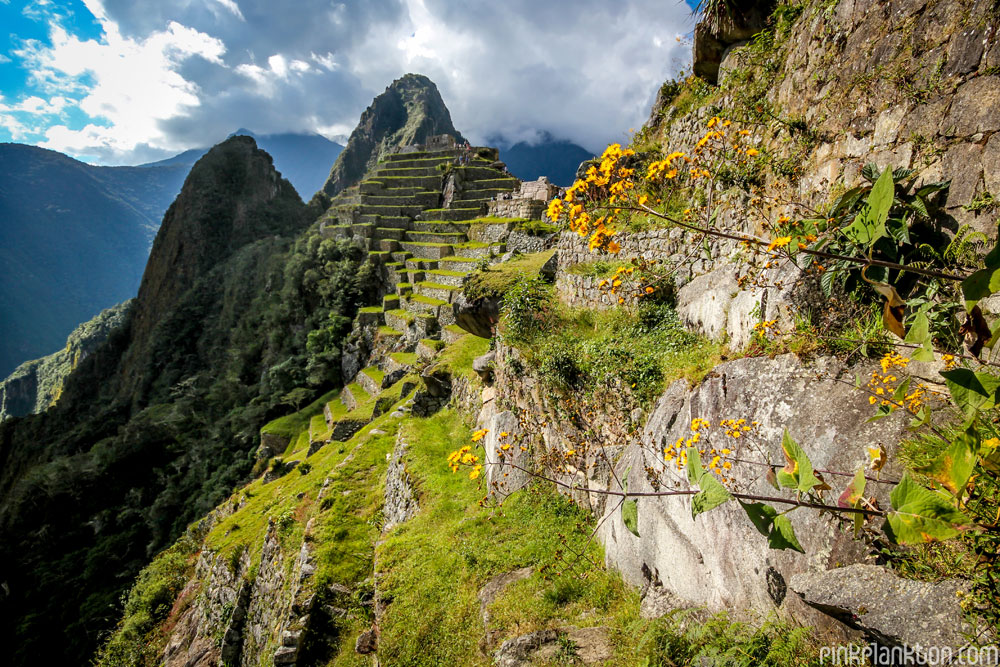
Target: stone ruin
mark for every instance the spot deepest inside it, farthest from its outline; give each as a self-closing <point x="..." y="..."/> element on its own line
<point x="529" y="201"/>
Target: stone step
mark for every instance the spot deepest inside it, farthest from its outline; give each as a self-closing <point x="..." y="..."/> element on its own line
<point x="362" y="230"/>
<point x="404" y="289"/>
<point x="385" y="221"/>
<point x="407" y="211"/>
<point x="398" y="364"/>
<point x="445" y="277"/>
<point x="504" y="184"/>
<point x="424" y="155"/>
<point x="426" y="325"/>
<point x="399" y="319"/>
<point x="401" y="256"/>
<point x="484" y="193"/>
<point x="428" y="348"/>
<point x="446" y="293"/>
<point x="475" y="173"/>
<point x="388" y="245"/>
<point x="390" y="302"/>
<point x="395" y="189"/>
<point x="370" y="380"/>
<point x="396" y="272"/>
<point x="415" y="264"/>
<point x="414" y="276"/>
<point x="455" y="263"/>
<point x="379" y="257"/>
<point x="334" y="231"/>
<point x="370" y="315"/>
<point x="425" y="199"/>
<point x="452" y="332"/>
<point x="418" y="303"/>
<point x="475" y="249"/>
<point x="427" y="250"/>
<point x="424" y="182"/>
<point x="436" y="237"/>
<point x="351" y="396"/>
<point x="440" y="226"/>
<point x="393" y="171"/>
<point x="452" y="214"/>
<point x="392" y="233"/>
<point x="387" y="333"/>
<point x="469" y="203"/>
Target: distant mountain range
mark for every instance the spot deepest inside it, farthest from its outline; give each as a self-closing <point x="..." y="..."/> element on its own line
<point x="304" y="159"/>
<point x="556" y="158"/>
<point x="74" y="239"/>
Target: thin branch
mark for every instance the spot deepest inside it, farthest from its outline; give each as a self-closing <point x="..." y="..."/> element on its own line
<point x="746" y="238"/>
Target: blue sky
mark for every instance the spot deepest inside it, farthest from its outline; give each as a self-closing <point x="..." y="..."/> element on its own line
<point x="129" y="81"/>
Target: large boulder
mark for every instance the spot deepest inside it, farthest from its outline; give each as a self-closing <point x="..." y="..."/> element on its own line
<point x="478" y="317"/>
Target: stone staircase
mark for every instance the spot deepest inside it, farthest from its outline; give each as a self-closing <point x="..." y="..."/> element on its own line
<point x="420" y="217"/>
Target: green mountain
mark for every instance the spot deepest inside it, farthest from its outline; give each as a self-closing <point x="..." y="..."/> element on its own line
<point x="74" y="239"/>
<point x="304" y="159"/>
<point x="36" y="385"/>
<point x="160" y="422"/>
<point x="409" y="112"/>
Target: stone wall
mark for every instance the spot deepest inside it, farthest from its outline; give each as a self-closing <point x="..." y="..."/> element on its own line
<point x="719" y="560"/>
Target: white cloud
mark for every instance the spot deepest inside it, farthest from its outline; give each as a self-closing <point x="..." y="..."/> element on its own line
<point x="232" y="7"/>
<point x="327" y="62"/>
<point x="132" y="84"/>
<point x="3" y="58"/>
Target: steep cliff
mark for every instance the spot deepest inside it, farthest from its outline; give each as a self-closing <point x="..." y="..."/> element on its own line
<point x="36" y="385"/>
<point x="159" y="422"/>
<point x="409" y="112"/>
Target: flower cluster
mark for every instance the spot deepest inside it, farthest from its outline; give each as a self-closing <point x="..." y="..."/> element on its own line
<point x="464" y="457"/>
<point x="766" y="328"/>
<point x="720" y="460"/>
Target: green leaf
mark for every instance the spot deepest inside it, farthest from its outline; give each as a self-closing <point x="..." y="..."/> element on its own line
<point x="630" y="516"/>
<point x="953" y="467"/>
<point x="782" y="536"/>
<point x="920" y="334"/>
<point x="869" y="225"/>
<point x="775" y="527"/>
<point x="971" y="391"/>
<point x="798" y="472"/>
<point x="712" y="495"/>
<point x="983" y="282"/>
<point x="694" y="469"/>
<point x="761" y="515"/>
<point x="921" y="515"/>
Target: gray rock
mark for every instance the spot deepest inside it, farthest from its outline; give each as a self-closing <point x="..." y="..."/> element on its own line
<point x="548" y="270"/>
<point x="890" y="610"/>
<point x="483" y="365"/>
<point x="719" y="560"/>
<point x="519" y="650"/>
<point x="580" y="645"/>
<point x="478" y="317"/>
<point x="367" y="642"/>
<point x="400" y="500"/>
<point x="493" y="588"/>
<point x="704" y="302"/>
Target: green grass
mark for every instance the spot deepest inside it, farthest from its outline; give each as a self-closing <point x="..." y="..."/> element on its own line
<point x="598" y="268"/>
<point x="430" y="285"/>
<point x="404" y="314"/>
<point x="375" y="373"/>
<point x="405" y="358"/>
<point x="389" y="332"/>
<point x="291" y="425"/>
<point x="638" y="352"/>
<point x="497" y="279"/>
<point x="436" y="345"/>
<point x="371" y="309"/>
<point x="430" y="301"/>
<point x="457" y="357"/>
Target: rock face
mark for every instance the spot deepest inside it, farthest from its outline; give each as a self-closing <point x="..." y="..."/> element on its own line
<point x="400" y="501"/>
<point x="232" y="197"/>
<point x="889" y="610"/>
<point x="35" y="385"/>
<point x="409" y="112"/>
<point x="713" y="38"/>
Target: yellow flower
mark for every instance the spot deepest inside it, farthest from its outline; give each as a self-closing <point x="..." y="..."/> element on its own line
<point x="779" y="242"/>
<point x="555" y="209"/>
<point x="474" y="473"/>
<point x="650" y="290"/>
<point x="752" y="152"/>
<point x="478" y="435"/>
<point x="613" y="247"/>
<point x="643" y="199"/>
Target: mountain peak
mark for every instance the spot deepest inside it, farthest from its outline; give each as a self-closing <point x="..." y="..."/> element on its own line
<point x="409" y="112"/>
